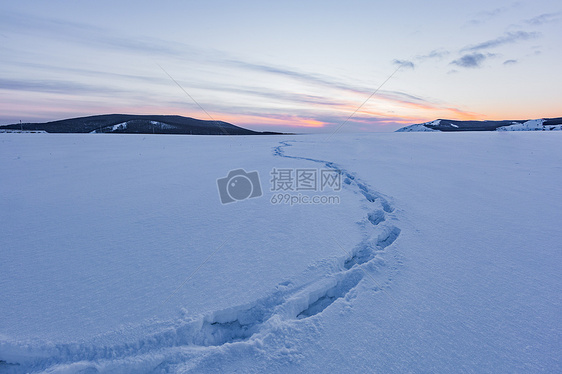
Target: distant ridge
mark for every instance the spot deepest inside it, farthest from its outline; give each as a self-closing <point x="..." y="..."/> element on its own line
<point x="135" y="124"/>
<point x="447" y="125"/>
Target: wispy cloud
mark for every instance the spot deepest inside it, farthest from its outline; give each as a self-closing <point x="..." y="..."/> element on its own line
<point x="83" y="72"/>
<point x="57" y="86"/>
<point x="486" y="15"/>
<point x="473" y="60"/>
<point x="403" y="96"/>
<point x="507" y="38"/>
<point x="278" y="95"/>
<point x="92" y="35"/>
<point x="404" y="63"/>
<point x="314" y="79"/>
<point x="328" y="82"/>
<point x="510" y="62"/>
<point x="436" y="53"/>
<point x="544" y="18"/>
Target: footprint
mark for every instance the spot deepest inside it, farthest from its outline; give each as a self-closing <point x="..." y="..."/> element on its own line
<point x="376" y="217"/>
<point x="330" y="295"/>
<point x="388" y="236"/>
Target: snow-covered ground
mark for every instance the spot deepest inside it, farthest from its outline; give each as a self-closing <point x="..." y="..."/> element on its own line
<point x="441" y="253"/>
<point x="4" y="131"/>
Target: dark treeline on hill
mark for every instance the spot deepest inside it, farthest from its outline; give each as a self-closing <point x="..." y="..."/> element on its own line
<point x="137" y="124"/>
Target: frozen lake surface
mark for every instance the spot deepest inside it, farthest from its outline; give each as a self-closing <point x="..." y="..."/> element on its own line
<point x="440" y="252"/>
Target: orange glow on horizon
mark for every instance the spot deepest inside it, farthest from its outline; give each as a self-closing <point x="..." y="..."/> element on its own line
<point x="374" y="115"/>
<point x="312" y="123"/>
<point x="280" y="121"/>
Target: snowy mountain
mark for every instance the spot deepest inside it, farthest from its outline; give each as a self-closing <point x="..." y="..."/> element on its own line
<point x="134" y="124"/>
<point x="542" y="124"/>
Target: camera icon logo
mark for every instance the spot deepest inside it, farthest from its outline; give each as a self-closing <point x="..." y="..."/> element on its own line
<point x="239" y="185"/>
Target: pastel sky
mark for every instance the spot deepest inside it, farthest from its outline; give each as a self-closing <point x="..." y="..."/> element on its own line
<point x="302" y="66"/>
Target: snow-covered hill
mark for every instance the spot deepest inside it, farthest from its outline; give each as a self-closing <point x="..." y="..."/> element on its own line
<point x="420" y="127"/>
<point x="543" y="124"/>
<point x="134" y="124"/>
<point x="436" y="253"/>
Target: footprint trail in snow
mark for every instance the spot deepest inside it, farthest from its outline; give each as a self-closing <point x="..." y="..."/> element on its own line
<point x="171" y="347"/>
